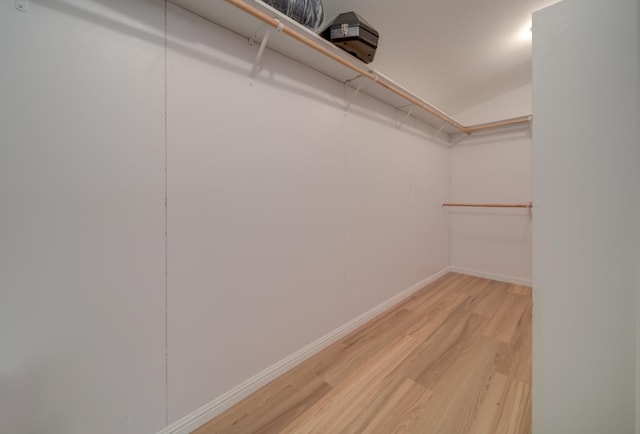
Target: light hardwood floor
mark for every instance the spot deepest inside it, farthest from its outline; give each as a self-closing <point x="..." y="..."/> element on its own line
<point x="453" y="358"/>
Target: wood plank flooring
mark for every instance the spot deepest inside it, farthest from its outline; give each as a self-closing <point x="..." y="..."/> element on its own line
<point x="453" y="358"/>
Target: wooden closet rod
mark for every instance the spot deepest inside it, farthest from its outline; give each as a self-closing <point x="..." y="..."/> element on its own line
<point x="502" y="123"/>
<point x="492" y="205"/>
<point x="277" y="24"/>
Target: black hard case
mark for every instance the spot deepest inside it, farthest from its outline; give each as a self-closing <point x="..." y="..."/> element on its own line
<point x="354" y="35"/>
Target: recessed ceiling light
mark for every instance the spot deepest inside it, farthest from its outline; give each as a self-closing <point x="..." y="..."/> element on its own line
<point x="525" y="32"/>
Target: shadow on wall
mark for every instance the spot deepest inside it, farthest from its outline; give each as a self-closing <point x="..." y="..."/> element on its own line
<point x="514" y="227"/>
<point x="490" y="212"/>
<point x="17" y="404"/>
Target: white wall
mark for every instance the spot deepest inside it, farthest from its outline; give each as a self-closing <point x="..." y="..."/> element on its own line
<point x="511" y="104"/>
<point x="287" y="217"/>
<point x="586" y="181"/>
<point x="82" y="337"/>
<point x="638" y="235"/>
<point x="492" y="242"/>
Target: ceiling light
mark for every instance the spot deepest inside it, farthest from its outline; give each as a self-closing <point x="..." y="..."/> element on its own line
<point x="525" y="32"/>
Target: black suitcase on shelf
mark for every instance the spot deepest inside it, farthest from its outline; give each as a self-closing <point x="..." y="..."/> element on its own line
<point x="354" y="35"/>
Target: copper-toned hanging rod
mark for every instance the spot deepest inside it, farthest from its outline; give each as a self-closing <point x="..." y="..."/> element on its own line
<point x="492" y="205"/>
<point x="502" y="123"/>
<point x="277" y="24"/>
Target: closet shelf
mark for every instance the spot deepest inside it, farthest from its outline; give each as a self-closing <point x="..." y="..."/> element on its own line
<point x="248" y="17"/>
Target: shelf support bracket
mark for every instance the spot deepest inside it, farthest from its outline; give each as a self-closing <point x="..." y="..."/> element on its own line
<point x="438" y="132"/>
<point x="257" y="63"/>
<point x="253" y="39"/>
<point x="403" y="120"/>
<point x="353" y="97"/>
<point x="263" y="44"/>
<point x="459" y="139"/>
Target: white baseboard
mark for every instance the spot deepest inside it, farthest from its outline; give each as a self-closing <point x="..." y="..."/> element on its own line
<point x="492" y="276"/>
<point x="208" y="411"/>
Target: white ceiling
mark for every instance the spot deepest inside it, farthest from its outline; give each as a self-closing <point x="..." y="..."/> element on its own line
<point x="453" y="53"/>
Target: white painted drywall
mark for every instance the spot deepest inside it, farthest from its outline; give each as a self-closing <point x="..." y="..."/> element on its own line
<point x="638" y="233"/>
<point x="82" y="337"/>
<point x="492" y="242"/>
<point x="280" y="230"/>
<point x="586" y="181"/>
<point x="287" y="217"/>
<point x="511" y="104"/>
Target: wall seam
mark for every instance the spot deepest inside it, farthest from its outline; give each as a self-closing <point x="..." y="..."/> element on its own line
<point x="345" y="196"/>
<point x="166" y="241"/>
<point x="447" y="214"/>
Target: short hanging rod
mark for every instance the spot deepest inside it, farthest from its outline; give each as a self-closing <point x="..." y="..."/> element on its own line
<point x="502" y="123"/>
<point x="491" y="205"/>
